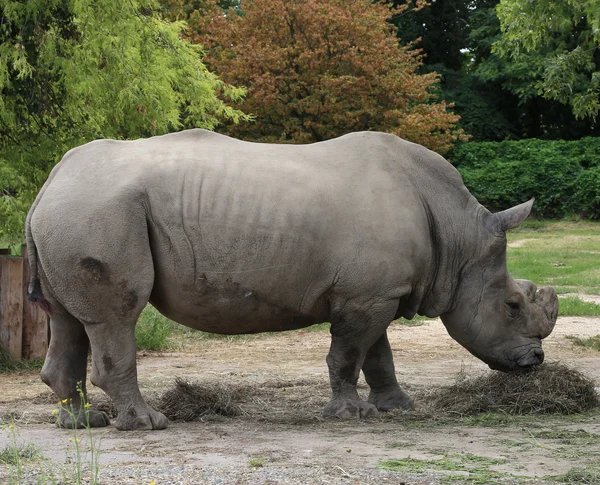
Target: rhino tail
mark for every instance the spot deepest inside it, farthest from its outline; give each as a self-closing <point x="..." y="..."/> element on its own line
<point x="34" y="288"/>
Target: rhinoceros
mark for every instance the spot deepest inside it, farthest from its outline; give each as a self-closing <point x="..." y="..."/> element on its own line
<point x="234" y="237"/>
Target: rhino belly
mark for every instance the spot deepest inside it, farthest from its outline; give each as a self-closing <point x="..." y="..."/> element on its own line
<point x="228" y="308"/>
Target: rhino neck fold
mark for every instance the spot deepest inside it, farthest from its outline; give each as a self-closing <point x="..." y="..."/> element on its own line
<point x="453" y="230"/>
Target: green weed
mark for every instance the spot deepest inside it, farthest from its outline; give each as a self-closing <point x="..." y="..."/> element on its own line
<point x="15" y="455"/>
<point x="8" y="364"/>
<point x="578" y="437"/>
<point x="470" y="468"/>
<point x="153" y="330"/>
<point x="559" y="254"/>
<point x="416" y="321"/>
<point x="588" y="343"/>
<point x="589" y="474"/>
<point x="256" y="462"/>
<point x="574" y="306"/>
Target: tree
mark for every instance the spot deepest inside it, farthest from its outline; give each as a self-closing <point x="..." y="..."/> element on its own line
<point x="566" y="34"/>
<point x="316" y="69"/>
<point x="71" y="72"/>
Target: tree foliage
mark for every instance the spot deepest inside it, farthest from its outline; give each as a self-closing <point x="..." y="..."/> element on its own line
<point x="565" y="35"/>
<point x="316" y="69"/>
<point x="74" y="71"/>
<point x="563" y="176"/>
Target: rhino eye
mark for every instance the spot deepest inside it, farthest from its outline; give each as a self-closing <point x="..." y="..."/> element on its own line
<point x="513" y="306"/>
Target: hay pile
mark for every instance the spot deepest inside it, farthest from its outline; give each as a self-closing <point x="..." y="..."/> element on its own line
<point x="187" y="401"/>
<point x="549" y="388"/>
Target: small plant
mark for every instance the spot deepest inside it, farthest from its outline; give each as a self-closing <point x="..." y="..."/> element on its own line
<point x="15" y="454"/>
<point x="588" y="343"/>
<point x="8" y="364"/>
<point x="75" y="441"/>
<point x="416" y="321"/>
<point x="153" y="330"/>
<point x="581" y="475"/>
<point x="256" y="462"/>
<point x="470" y="468"/>
<point x="574" y="306"/>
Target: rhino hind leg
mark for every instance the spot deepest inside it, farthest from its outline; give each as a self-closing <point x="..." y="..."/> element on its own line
<point x="65" y="372"/>
<point x="380" y="374"/>
<point x="114" y="371"/>
<point x="352" y="335"/>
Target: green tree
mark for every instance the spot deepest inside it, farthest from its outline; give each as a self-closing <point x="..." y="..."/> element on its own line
<point x="74" y="71"/>
<point x="496" y="97"/>
<point x="565" y="35"/>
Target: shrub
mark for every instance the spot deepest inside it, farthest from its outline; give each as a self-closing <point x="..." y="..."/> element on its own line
<point x="563" y="176"/>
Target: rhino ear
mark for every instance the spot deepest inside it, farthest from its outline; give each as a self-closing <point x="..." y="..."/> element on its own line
<point x="511" y="218"/>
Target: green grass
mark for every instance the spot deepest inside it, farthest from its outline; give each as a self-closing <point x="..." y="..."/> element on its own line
<point x="588" y="343"/>
<point x="154" y="331"/>
<point x="574" y="306"/>
<point x="416" y="321"/>
<point x="578" y="437"/>
<point x="7" y="364"/>
<point x="470" y="468"/>
<point x="14" y="454"/>
<point x="565" y="255"/>
<point x="256" y="462"/>
<point x="590" y="474"/>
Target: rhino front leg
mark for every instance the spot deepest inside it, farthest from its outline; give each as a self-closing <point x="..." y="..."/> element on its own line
<point x="65" y="372"/>
<point x="114" y="371"/>
<point x="352" y="335"/>
<point x="380" y="374"/>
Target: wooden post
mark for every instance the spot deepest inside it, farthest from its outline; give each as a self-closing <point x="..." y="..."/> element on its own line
<point x="11" y="305"/>
<point x="35" y="320"/>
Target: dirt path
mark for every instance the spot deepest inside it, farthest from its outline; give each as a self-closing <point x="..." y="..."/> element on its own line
<point x="280" y="437"/>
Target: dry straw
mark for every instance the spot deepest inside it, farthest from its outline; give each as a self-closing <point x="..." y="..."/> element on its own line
<point x="187" y="401"/>
<point x="549" y="388"/>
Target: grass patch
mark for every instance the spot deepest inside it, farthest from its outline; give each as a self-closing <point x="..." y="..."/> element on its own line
<point x="579" y="437"/>
<point x="14" y="454"/>
<point x="588" y="343"/>
<point x="472" y="468"/>
<point x="589" y="474"/>
<point x="8" y="364"/>
<point x="153" y="330"/>
<point x="560" y="254"/>
<point x="416" y="321"/>
<point x="574" y="306"/>
<point x="256" y="462"/>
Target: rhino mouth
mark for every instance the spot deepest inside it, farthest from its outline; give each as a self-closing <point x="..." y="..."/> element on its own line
<point x="527" y="359"/>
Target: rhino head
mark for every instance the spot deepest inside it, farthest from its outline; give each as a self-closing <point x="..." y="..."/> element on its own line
<point x="500" y="320"/>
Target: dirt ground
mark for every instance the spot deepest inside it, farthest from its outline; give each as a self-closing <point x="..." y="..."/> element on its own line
<point x="280" y="437"/>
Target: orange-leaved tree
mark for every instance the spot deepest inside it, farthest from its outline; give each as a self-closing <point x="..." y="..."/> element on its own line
<point x="317" y="69"/>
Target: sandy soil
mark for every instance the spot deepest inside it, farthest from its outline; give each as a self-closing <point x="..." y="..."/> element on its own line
<point x="280" y="437"/>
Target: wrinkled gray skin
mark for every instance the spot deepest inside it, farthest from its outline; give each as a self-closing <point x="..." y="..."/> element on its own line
<point x="233" y="237"/>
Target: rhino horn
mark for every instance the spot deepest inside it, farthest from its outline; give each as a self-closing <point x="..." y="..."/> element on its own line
<point x="511" y="218"/>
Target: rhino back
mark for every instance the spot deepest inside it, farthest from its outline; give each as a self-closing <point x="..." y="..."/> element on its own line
<point x="243" y="234"/>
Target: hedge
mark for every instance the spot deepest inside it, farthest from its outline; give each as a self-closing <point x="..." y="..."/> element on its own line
<point x="563" y="176"/>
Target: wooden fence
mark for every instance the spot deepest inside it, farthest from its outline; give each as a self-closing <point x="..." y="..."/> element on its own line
<point x="24" y="328"/>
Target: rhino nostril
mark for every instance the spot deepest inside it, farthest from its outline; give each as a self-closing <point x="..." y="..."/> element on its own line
<point x="539" y="354"/>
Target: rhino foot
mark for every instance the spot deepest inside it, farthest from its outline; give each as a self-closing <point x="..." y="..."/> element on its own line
<point x="82" y="419"/>
<point x="132" y="419"/>
<point x="349" y="409"/>
<point x="391" y="399"/>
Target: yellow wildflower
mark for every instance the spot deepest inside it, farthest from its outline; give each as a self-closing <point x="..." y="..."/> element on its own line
<point x="64" y="401"/>
<point x="55" y="412"/>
